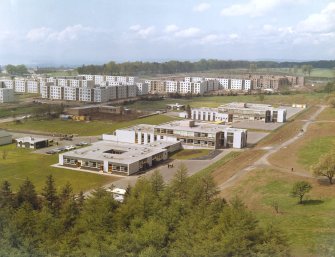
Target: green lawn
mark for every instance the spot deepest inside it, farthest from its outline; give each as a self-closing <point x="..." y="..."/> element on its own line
<point x="215" y="101"/>
<point x="308" y="227"/>
<point x="209" y="169"/>
<point x="187" y="154"/>
<point x="23" y="163"/>
<point x="81" y="128"/>
<point x="310" y="153"/>
<point x="327" y="114"/>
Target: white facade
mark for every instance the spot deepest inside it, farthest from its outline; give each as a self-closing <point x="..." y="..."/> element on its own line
<point x="56" y="92"/>
<point x="171" y="86"/>
<point x="142" y="88"/>
<point x="6" y="95"/>
<point x="101" y="94"/>
<point x="71" y="93"/>
<point x="131" y="91"/>
<point x="33" y="86"/>
<point x="86" y="94"/>
<point x="8" y="83"/>
<point x="236" y="84"/>
<point x="20" y="85"/>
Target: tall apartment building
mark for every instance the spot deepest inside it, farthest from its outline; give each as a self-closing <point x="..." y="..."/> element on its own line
<point x="142" y="88"/>
<point x="56" y="92"/>
<point x="8" y="83"/>
<point x="71" y="93"/>
<point x="171" y="86"/>
<point x="20" y="85"/>
<point x="86" y="94"/>
<point x="33" y="86"/>
<point x="6" y="94"/>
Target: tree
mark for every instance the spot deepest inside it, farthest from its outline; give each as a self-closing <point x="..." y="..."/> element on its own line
<point x="300" y="189"/>
<point x="157" y="182"/>
<point x="326" y="166"/>
<point x="309" y="69"/>
<point x="253" y="67"/>
<point x="50" y="194"/>
<point x="188" y="111"/>
<point x="6" y="195"/>
<point x="179" y="182"/>
<point x="27" y="194"/>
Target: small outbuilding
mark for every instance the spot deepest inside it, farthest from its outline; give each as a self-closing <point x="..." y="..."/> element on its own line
<point x="32" y="142"/>
<point x="5" y="138"/>
<point x="175" y="107"/>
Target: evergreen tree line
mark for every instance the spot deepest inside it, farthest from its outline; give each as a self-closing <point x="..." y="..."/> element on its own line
<point x="184" y="218"/>
<point x="170" y="67"/>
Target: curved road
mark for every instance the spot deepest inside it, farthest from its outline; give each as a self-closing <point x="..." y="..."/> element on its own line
<point x="263" y="161"/>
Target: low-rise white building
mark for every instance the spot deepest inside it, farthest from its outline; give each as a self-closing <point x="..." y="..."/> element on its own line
<point x="33" y="86"/>
<point x="20" y="85"/>
<point x="5" y="138"/>
<point x="6" y="94"/>
<point x="32" y="142"/>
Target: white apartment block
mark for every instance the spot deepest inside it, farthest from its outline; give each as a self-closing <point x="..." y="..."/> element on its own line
<point x="33" y="86"/>
<point x="142" y="88"/>
<point x="86" y="94"/>
<point x="224" y="83"/>
<point x="71" y="93"/>
<point x="247" y="85"/>
<point x="236" y="84"/>
<point x="62" y="82"/>
<point x="101" y="94"/>
<point x="185" y="87"/>
<point x="6" y="95"/>
<point x="199" y="88"/>
<point x="209" y="114"/>
<point x="112" y="92"/>
<point x="86" y="83"/>
<point x="45" y="91"/>
<point x="121" y="91"/>
<point x="51" y="79"/>
<point x="20" y="85"/>
<point x="56" y="92"/>
<point x="171" y="86"/>
<point x="9" y="83"/>
<point x="73" y="83"/>
<point x="98" y="79"/>
<point x="131" y="90"/>
<point x="89" y="77"/>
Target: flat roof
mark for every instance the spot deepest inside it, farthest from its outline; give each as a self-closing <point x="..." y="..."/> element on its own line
<point x="130" y="152"/>
<point x="4" y="133"/>
<point x="147" y="128"/>
<point x="31" y="139"/>
<point x="198" y="126"/>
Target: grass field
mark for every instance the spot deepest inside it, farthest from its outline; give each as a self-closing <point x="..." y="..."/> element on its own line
<point x="80" y="128"/>
<point x="327" y="114"/>
<point x="187" y="154"/>
<point x="314" y="149"/>
<point x="23" y="163"/>
<point x="215" y="101"/>
<point x="308" y="227"/>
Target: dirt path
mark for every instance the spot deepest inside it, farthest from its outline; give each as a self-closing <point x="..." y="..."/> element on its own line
<point x="263" y="162"/>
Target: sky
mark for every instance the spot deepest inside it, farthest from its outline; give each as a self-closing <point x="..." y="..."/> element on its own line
<point x="76" y="32"/>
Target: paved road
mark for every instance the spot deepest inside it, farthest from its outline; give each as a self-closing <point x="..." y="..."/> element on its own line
<point x="263" y="161"/>
<point x="193" y="166"/>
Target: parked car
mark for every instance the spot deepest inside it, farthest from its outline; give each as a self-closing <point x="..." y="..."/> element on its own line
<point x="51" y="152"/>
<point x="70" y="147"/>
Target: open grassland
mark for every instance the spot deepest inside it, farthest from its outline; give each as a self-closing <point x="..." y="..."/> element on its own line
<point x="214" y="166"/>
<point x="309" y="227"/>
<point x="23" y="163"/>
<point x="187" y="154"/>
<point x="80" y="128"/>
<point x="215" y="101"/>
<point x="327" y="114"/>
<point x="310" y="153"/>
<point x="306" y="151"/>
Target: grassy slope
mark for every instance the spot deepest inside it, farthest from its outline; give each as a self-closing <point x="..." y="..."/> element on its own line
<point x="307" y="226"/>
<point x="81" y="128"/>
<point x="312" y="150"/>
<point x="23" y="163"/>
<point x="187" y="154"/>
<point x="327" y="114"/>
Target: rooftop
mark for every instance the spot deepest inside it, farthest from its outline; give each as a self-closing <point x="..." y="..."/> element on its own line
<point x="4" y="133"/>
<point x="31" y="139"/>
<point x="123" y="153"/>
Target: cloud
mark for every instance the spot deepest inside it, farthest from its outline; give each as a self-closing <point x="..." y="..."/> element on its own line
<point x="48" y="34"/>
<point x="323" y="21"/>
<point x="141" y="31"/>
<point x="187" y="33"/>
<point x="255" y="8"/>
<point x="171" y="28"/>
<point x="201" y="7"/>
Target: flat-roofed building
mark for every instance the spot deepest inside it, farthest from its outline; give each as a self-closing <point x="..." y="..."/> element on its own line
<point x="86" y="94"/>
<point x="6" y="94"/>
<point x="8" y="83"/>
<point x="250" y="111"/>
<point x="5" y="138"/>
<point x="71" y="93"/>
<point x="32" y="142"/>
<point x="56" y="92"/>
<point x="190" y="133"/>
<point x="33" y="86"/>
<point x="142" y="88"/>
<point x="116" y="157"/>
<point x="20" y="85"/>
<point x="210" y="114"/>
